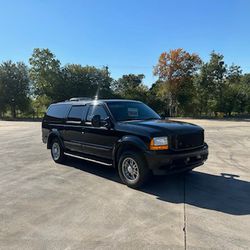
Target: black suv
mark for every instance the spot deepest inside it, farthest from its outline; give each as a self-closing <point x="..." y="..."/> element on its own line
<point x="124" y="134"/>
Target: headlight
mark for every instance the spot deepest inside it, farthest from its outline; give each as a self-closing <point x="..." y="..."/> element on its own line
<point x="159" y="143"/>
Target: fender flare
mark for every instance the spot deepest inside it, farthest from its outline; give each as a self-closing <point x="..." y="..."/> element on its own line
<point x="127" y="140"/>
<point x="54" y="133"/>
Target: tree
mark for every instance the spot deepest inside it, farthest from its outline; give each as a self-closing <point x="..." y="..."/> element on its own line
<point x="2" y="97"/>
<point x="217" y="73"/>
<point x="131" y="87"/>
<point x="232" y="89"/>
<point x="203" y="86"/>
<point x="177" y="68"/>
<point x="45" y="73"/>
<point x="39" y="105"/>
<point x="157" y="99"/>
<point x="210" y="85"/>
<point x="86" y="81"/>
<point x="73" y="80"/>
<point x="14" y="87"/>
<point x="243" y="98"/>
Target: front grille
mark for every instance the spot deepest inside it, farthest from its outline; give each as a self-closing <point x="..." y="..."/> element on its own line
<point x="187" y="141"/>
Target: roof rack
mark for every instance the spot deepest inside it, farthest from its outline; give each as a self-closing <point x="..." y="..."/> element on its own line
<point x="80" y="99"/>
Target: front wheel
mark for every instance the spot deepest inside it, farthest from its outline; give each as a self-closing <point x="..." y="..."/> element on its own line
<point x="57" y="151"/>
<point x="133" y="169"/>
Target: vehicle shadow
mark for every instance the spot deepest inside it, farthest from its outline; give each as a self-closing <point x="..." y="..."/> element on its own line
<point x="224" y="193"/>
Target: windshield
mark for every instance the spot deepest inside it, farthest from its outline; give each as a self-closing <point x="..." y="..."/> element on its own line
<point x="126" y="111"/>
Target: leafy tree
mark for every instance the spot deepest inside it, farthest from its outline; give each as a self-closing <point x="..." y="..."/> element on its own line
<point x="210" y="85"/>
<point x="177" y="68"/>
<point x="232" y="89"/>
<point x="2" y="97"/>
<point x="243" y="98"/>
<point x="86" y="81"/>
<point x="131" y="87"/>
<point x="202" y="85"/>
<point x="217" y="74"/>
<point x="45" y="73"/>
<point x="234" y="74"/>
<point x="39" y="105"/>
<point x="60" y="83"/>
<point x="157" y="99"/>
<point x="14" y="87"/>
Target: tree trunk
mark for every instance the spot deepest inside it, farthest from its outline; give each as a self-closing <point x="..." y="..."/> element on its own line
<point x="14" y="111"/>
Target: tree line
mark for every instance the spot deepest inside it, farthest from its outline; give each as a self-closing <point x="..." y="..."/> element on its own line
<point x="186" y="86"/>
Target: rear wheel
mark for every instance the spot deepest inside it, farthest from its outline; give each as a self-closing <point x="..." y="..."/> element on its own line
<point x="57" y="151"/>
<point x="133" y="169"/>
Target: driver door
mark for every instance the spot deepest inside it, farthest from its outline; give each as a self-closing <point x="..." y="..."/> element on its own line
<point x="98" y="141"/>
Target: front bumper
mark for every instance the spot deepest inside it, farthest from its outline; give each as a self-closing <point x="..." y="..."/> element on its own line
<point x="170" y="162"/>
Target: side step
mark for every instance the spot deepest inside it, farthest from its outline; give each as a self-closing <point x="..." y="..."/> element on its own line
<point x="88" y="159"/>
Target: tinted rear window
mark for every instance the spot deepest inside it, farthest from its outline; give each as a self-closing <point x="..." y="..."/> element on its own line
<point x="77" y="113"/>
<point x="58" y="111"/>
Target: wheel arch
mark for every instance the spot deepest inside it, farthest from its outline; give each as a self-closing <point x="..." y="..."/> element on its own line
<point x="128" y="143"/>
<point x="53" y="135"/>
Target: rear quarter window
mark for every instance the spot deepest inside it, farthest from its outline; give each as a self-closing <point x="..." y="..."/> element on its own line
<point x="58" y="111"/>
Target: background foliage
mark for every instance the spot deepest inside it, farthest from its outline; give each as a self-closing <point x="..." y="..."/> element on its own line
<point x="186" y="85"/>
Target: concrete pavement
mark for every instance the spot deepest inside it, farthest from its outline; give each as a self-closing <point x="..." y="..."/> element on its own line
<point x="79" y="205"/>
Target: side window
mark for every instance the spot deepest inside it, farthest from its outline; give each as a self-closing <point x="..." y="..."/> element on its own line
<point x="77" y="113"/>
<point x="58" y="110"/>
<point x="96" y="110"/>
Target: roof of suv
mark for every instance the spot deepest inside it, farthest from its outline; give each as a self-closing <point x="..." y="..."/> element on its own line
<point x="83" y="102"/>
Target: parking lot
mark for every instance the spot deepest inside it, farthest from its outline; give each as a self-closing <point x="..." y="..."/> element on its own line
<point x="79" y="205"/>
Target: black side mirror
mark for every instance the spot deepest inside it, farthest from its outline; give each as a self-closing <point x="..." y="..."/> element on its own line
<point x="96" y="121"/>
<point x="107" y="123"/>
<point x="163" y="116"/>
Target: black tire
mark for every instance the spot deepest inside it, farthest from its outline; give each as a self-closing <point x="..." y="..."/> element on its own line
<point x="128" y="159"/>
<point x="58" y="157"/>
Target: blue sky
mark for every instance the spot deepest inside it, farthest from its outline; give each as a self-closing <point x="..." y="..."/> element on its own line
<point x="127" y="35"/>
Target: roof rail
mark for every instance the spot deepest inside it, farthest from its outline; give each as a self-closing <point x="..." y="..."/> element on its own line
<point x="80" y="99"/>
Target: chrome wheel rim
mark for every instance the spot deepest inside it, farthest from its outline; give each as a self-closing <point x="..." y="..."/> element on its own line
<point x="130" y="169"/>
<point x="56" y="151"/>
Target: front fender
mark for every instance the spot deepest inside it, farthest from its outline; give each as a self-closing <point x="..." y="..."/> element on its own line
<point x="129" y="140"/>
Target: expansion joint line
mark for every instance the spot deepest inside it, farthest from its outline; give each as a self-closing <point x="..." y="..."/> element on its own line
<point x="184" y="213"/>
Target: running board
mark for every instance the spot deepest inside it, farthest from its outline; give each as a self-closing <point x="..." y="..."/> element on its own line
<point x="88" y="159"/>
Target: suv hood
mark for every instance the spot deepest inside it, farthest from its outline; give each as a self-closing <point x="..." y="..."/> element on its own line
<point x="163" y="127"/>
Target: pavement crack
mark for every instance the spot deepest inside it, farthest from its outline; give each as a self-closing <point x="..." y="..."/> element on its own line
<point x="184" y="213"/>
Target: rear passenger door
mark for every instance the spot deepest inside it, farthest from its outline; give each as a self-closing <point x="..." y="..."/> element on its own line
<point x="74" y="128"/>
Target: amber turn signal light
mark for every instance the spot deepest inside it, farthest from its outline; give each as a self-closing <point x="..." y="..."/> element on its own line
<point x="152" y="146"/>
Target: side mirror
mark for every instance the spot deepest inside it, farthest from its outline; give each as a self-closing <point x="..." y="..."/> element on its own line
<point x="96" y="121"/>
<point x="107" y="123"/>
<point x="163" y="116"/>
